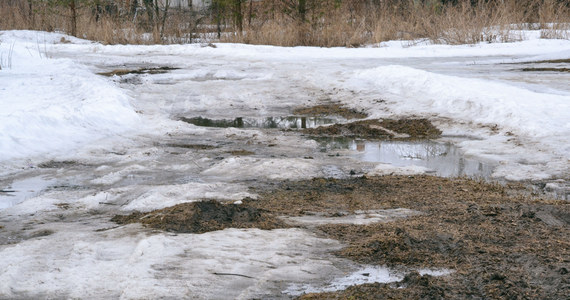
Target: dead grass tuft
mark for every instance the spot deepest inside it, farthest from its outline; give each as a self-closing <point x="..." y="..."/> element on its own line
<point x="203" y="216"/>
<point x="379" y="129"/>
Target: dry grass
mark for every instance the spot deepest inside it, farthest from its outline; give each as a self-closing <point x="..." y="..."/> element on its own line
<point x="500" y="246"/>
<point x="324" y="23"/>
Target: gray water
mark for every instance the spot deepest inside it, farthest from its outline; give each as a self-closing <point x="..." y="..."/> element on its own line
<point x="442" y="159"/>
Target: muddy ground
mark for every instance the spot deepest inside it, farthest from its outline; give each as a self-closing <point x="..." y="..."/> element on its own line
<point x="379" y="129"/>
<point x="501" y="244"/>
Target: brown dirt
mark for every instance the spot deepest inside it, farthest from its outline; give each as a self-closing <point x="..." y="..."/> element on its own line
<point x="241" y="152"/>
<point x="52" y="164"/>
<point x="563" y="70"/>
<point x="376" y="129"/>
<point x="500" y="246"/>
<point x="552" y="61"/>
<point x="326" y="110"/>
<point x="122" y="72"/>
<point x="203" y="216"/>
<point x="191" y="146"/>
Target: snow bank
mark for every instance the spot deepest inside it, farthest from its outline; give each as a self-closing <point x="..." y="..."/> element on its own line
<point x="481" y="101"/>
<point x="52" y="105"/>
<point x="537" y="119"/>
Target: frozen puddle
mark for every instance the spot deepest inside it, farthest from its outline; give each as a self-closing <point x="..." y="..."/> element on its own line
<point x="369" y="274"/>
<point x="21" y="190"/>
<point x="442" y="159"/>
<point x="268" y="122"/>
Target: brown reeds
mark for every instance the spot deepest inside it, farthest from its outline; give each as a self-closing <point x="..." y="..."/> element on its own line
<point x="325" y="23"/>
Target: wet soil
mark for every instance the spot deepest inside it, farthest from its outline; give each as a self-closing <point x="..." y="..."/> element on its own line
<point x="563" y="70"/>
<point x="326" y="110"/>
<point x="190" y="146"/>
<point x="501" y="246"/>
<point x="52" y="164"/>
<point x="379" y="129"/>
<point x="552" y="61"/>
<point x="241" y="152"/>
<point x="203" y="216"/>
<point x="122" y="72"/>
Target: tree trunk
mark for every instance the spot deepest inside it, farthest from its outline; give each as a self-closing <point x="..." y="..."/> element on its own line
<point x="250" y="12"/>
<point x="302" y="10"/>
<point x="73" y="10"/>
<point x="238" y="16"/>
<point x="31" y="17"/>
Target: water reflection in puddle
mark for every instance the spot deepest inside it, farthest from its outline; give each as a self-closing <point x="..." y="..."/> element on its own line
<point x="443" y="159"/>
<point x="269" y="122"/>
<point x="21" y="190"/>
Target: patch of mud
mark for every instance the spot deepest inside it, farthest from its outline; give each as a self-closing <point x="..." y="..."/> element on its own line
<point x="241" y="152"/>
<point x="330" y="110"/>
<point x="563" y="70"/>
<point x="191" y="146"/>
<point x="203" y="216"/>
<point x="500" y="246"/>
<point x="379" y="129"/>
<point x="52" y="164"/>
<point x="551" y="61"/>
<point x="123" y="72"/>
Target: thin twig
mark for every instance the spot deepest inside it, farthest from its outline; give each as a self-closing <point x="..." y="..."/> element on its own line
<point x="232" y="274"/>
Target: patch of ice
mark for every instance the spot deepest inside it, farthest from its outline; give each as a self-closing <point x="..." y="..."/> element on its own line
<point x="164" y="196"/>
<point x="275" y="168"/>
<point x="369" y="274"/>
<point x="360" y="217"/>
<point x="22" y="190"/>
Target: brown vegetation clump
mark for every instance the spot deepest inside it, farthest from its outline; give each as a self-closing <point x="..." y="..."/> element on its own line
<point x="379" y="129"/>
<point x="201" y="217"/>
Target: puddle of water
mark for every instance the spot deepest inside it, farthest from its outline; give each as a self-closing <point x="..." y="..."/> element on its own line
<point x="147" y="70"/>
<point x="269" y="122"/>
<point x="21" y="190"/>
<point x="443" y="159"/>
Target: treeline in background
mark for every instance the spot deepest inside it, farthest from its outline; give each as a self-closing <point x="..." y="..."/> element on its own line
<point x="324" y="23"/>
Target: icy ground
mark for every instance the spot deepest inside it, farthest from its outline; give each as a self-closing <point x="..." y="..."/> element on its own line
<point x="77" y="148"/>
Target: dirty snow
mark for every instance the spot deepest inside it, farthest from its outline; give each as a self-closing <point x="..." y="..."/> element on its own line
<point x="125" y="149"/>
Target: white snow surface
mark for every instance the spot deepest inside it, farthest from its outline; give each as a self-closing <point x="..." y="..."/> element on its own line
<point x="53" y="104"/>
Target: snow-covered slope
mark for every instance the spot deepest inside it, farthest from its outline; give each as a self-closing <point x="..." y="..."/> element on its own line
<point x="53" y="104"/>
